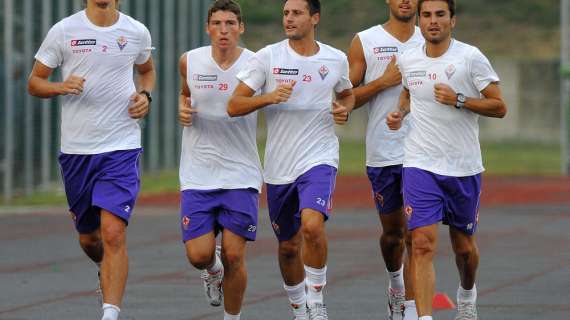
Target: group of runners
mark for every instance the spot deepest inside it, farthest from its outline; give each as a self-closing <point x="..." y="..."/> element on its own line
<point x="424" y="91"/>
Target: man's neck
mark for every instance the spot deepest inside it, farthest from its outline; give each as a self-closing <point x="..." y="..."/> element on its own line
<point x="305" y="47"/>
<point x="227" y="57"/>
<point x="436" y="50"/>
<point x="401" y="30"/>
<point x="102" y="17"/>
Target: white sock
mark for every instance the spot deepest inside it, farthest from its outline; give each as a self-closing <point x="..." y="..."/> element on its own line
<point x="426" y="318"/>
<point x="410" y="310"/>
<point x="316" y="281"/>
<point x="298" y="298"/>
<point x="396" y="279"/>
<point x="217" y="266"/>
<point x="228" y="316"/>
<point x="110" y="312"/>
<point x="467" y="295"/>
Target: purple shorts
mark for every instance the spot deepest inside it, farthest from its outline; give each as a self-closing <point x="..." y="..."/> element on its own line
<point x="109" y="181"/>
<point x="312" y="190"/>
<point x="430" y="198"/>
<point x="386" y="187"/>
<point x="205" y="211"/>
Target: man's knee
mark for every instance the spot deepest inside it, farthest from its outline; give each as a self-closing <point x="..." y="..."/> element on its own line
<point x="90" y="241"/>
<point x="200" y="259"/>
<point x="113" y="235"/>
<point x="465" y="249"/>
<point x="232" y="258"/>
<point x="290" y="249"/>
<point x="393" y="237"/>
<point x="423" y="243"/>
<point x="313" y="228"/>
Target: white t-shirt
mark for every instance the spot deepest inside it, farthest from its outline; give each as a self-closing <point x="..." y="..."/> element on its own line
<point x="97" y="120"/>
<point x="384" y="147"/>
<point x="218" y="152"/>
<point x="300" y="132"/>
<point x="442" y="139"/>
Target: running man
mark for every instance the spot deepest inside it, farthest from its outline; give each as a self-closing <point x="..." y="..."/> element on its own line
<point x="297" y="77"/>
<point x="220" y="171"/>
<point x="448" y="86"/>
<point x="100" y="135"/>
<point x="377" y="81"/>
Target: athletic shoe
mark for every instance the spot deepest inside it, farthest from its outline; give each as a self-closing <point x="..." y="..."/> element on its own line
<point x="466" y="311"/>
<point x="213" y="284"/>
<point x="410" y="312"/>
<point x="317" y="311"/>
<point x="300" y="317"/>
<point x="396" y="299"/>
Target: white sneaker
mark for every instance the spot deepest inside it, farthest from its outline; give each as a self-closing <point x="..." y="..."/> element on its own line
<point x="297" y="316"/>
<point x="317" y="311"/>
<point x="213" y="284"/>
<point x="466" y="311"/>
<point x="410" y="312"/>
<point x="396" y="299"/>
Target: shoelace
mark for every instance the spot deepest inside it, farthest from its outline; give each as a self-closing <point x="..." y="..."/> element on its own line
<point x="318" y="311"/>
<point x="466" y="311"/>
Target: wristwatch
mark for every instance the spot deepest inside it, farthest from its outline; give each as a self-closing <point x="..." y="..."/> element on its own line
<point x="147" y="94"/>
<point x="460" y="101"/>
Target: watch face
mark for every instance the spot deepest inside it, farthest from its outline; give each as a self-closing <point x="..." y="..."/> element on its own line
<point x="461" y="98"/>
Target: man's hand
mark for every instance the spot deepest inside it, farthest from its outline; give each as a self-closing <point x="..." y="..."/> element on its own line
<point x="282" y="93"/>
<point x="72" y="85"/>
<point x="186" y="112"/>
<point x="392" y="76"/>
<point x="394" y="120"/>
<point x="445" y="95"/>
<point x="340" y="113"/>
<point x="139" y="106"/>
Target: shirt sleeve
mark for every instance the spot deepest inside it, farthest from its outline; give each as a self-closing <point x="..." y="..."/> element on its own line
<point x="146" y="48"/>
<point x="482" y="73"/>
<point x="50" y="53"/>
<point x="344" y="81"/>
<point x="254" y="73"/>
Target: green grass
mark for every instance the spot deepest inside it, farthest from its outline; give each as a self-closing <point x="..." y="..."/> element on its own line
<point x="522" y="159"/>
<point x="507" y="158"/>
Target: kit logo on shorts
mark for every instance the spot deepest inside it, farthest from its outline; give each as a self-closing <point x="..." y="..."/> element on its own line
<point x="323" y="71"/>
<point x="122" y="42"/>
<point x="286" y="72"/>
<point x="409" y="211"/>
<point x="185" y="223"/>
<point x="83" y="42"/>
<point x="275" y="228"/>
<point x="379" y="199"/>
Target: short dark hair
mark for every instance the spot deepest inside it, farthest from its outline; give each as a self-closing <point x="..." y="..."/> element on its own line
<point x="314" y="6"/>
<point x="450" y="3"/>
<point x="225" y="5"/>
<point x="116" y="2"/>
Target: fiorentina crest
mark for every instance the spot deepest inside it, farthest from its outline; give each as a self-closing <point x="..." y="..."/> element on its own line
<point x="122" y="42"/>
<point x="450" y="71"/>
<point x="324" y="72"/>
